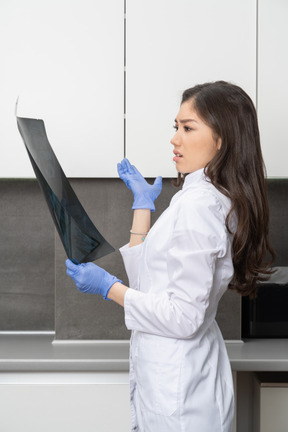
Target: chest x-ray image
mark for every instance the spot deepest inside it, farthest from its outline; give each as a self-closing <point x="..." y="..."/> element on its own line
<point x="80" y="238"/>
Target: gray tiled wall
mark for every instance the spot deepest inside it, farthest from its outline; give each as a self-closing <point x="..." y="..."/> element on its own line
<point x="36" y="294"/>
<point x="27" y="258"/>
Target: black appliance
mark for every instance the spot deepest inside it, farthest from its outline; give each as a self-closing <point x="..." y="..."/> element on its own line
<point x="267" y="315"/>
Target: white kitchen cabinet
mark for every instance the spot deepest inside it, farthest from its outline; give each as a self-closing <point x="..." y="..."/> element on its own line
<point x="172" y="45"/>
<point x="272" y="85"/>
<point x="65" y="61"/>
<point x="66" y="402"/>
<point x="271" y="401"/>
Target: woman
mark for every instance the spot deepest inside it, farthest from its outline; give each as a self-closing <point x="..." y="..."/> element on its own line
<point x="213" y="235"/>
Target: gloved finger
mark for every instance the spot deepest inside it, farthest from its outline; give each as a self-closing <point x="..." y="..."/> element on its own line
<point x="127" y="166"/>
<point x="120" y="171"/>
<point x="70" y="273"/>
<point x="137" y="172"/>
<point x="70" y="265"/>
<point x="124" y="170"/>
<point x="158" y="183"/>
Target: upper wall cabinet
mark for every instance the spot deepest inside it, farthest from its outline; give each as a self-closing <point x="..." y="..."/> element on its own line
<point x="64" y="59"/>
<point x="173" y="45"/>
<point x="272" y="85"/>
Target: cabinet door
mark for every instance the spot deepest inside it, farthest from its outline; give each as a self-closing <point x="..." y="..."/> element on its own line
<point x="65" y="61"/>
<point x="70" y="406"/>
<point x="273" y="409"/>
<point x="173" y="45"/>
<point x="272" y="85"/>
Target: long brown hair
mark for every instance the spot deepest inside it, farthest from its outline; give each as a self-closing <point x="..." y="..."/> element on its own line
<point x="238" y="171"/>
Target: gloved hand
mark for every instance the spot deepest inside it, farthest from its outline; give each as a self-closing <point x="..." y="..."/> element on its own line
<point x="89" y="278"/>
<point x="144" y="193"/>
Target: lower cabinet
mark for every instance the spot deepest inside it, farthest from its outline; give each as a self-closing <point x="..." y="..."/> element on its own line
<point x="66" y="402"/>
<point x="271" y="402"/>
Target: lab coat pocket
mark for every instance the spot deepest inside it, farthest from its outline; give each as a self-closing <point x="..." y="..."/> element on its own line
<point x="158" y="367"/>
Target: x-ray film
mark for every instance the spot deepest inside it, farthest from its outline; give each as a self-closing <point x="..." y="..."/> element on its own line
<point x="80" y="238"/>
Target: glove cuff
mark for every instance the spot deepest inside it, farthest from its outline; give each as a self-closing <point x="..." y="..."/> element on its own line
<point x="143" y="203"/>
<point x="109" y="284"/>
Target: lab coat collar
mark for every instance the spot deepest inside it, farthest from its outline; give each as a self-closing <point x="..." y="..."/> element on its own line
<point x="195" y="178"/>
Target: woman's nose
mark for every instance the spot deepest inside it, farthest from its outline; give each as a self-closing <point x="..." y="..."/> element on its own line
<point x="174" y="140"/>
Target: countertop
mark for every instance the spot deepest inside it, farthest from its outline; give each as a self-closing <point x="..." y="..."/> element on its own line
<point x="42" y="353"/>
<point x="39" y="352"/>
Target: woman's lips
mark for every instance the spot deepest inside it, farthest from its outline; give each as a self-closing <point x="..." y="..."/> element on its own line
<point x="177" y="156"/>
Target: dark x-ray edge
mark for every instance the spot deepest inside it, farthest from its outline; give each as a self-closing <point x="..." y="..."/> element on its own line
<point x="80" y="238"/>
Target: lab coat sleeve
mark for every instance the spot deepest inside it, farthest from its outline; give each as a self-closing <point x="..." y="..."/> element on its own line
<point x="199" y="239"/>
<point x="131" y="257"/>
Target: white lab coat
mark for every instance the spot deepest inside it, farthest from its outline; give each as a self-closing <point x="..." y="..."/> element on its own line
<point x="180" y="375"/>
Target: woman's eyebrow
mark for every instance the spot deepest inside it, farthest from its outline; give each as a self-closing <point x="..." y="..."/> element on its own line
<point x="185" y="121"/>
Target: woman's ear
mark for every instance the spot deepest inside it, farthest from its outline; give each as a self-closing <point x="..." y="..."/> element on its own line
<point x="218" y="143"/>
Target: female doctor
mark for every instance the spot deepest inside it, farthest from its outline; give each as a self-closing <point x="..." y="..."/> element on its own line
<point x="214" y="234"/>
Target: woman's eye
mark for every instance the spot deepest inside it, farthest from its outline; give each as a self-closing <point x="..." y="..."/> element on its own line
<point x="186" y="128"/>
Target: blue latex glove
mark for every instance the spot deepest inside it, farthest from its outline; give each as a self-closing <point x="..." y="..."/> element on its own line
<point x="144" y="193"/>
<point x="89" y="278"/>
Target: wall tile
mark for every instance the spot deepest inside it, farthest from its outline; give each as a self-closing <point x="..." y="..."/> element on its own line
<point x="229" y="315"/>
<point x="27" y="258"/>
<point x="33" y="262"/>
